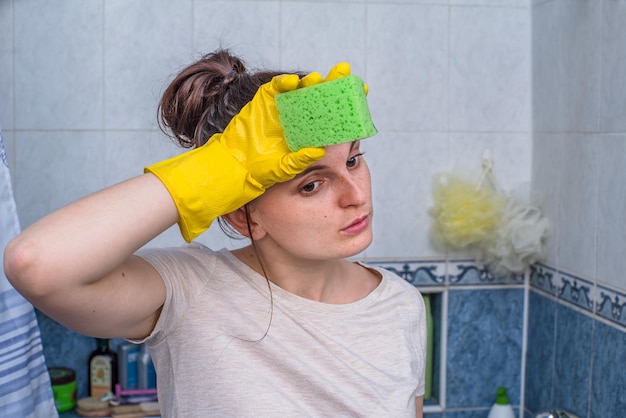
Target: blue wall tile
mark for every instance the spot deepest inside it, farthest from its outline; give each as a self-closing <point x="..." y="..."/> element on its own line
<point x="484" y="346"/>
<point x="64" y="347"/>
<point x="608" y="389"/>
<point x="572" y="362"/>
<point x="480" y="413"/>
<point x="540" y="353"/>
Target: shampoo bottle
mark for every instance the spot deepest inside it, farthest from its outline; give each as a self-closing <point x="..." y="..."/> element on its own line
<point x="502" y="407"/>
<point x="102" y="369"/>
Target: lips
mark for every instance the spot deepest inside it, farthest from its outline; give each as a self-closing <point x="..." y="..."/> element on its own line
<point x="358" y="225"/>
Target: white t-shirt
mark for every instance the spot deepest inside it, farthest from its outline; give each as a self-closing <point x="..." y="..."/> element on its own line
<point x="214" y="359"/>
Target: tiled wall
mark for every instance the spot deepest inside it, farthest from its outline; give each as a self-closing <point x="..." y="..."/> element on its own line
<point x="577" y="328"/>
<point x="576" y="346"/>
<point x="480" y="343"/>
<point x="80" y="79"/>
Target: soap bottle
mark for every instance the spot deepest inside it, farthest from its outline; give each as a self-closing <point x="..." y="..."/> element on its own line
<point x="502" y="407"/>
<point x="102" y="369"/>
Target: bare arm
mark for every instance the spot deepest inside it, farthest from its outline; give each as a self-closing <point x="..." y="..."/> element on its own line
<point x="419" y="407"/>
<point x="76" y="264"/>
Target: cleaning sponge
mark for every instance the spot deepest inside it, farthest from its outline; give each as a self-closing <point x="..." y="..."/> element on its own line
<point x="328" y="113"/>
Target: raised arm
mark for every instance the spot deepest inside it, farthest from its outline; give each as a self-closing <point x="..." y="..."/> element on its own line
<point x="76" y="264"/>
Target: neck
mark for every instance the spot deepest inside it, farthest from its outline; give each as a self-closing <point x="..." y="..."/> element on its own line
<point x="332" y="281"/>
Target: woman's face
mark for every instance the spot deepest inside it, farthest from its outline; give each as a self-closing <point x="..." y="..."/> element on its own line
<point x="323" y="213"/>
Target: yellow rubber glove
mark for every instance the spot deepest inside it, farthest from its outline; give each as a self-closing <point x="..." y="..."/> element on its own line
<point x="236" y="166"/>
<point x="339" y="70"/>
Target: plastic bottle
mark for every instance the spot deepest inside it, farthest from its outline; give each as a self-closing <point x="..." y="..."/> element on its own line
<point x="127" y="359"/>
<point x="502" y="407"/>
<point x="102" y="369"/>
<point x="146" y="376"/>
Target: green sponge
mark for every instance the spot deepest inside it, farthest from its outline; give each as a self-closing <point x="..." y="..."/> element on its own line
<point x="328" y="113"/>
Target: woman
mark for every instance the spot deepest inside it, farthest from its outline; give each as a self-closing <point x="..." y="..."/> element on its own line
<point x="282" y="327"/>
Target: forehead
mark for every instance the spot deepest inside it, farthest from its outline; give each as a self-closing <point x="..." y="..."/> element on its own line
<point x="333" y="153"/>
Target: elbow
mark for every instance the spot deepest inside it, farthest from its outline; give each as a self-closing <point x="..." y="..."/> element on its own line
<point x="21" y="269"/>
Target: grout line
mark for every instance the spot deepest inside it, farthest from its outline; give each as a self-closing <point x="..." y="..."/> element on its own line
<point x="443" y="363"/>
<point x="526" y="315"/>
<point x="591" y="364"/>
<point x="553" y="366"/>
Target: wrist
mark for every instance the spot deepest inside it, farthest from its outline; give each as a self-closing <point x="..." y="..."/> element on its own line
<point x="205" y="183"/>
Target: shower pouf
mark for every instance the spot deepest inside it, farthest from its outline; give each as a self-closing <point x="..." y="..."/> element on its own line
<point x="463" y="213"/>
<point x="518" y="241"/>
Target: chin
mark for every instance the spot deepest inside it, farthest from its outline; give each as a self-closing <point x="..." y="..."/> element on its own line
<point x="359" y="246"/>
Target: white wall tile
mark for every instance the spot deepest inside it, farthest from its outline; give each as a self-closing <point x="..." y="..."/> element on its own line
<point x="511" y="155"/>
<point x="126" y="153"/>
<point x="407" y="66"/>
<point x="547" y="160"/>
<point x="249" y="28"/>
<point x="578" y="204"/>
<point x="400" y="48"/>
<point x="489" y="69"/>
<point x="316" y="36"/>
<point x="146" y="42"/>
<point x="6" y="65"/>
<point x="58" y="59"/>
<point x="611" y="210"/>
<point x="546" y="46"/>
<point x="580" y="79"/>
<point x="613" y="67"/>
<point x="567" y="70"/>
<point x="403" y="167"/>
<point x="493" y="3"/>
<point x="426" y="2"/>
<point x="54" y="169"/>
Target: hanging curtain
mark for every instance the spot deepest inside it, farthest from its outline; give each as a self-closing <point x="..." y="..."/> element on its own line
<point x="25" y="389"/>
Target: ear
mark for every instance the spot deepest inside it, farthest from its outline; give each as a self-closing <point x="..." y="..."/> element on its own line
<point x="238" y="220"/>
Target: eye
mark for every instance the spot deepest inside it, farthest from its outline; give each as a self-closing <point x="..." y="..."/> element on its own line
<point x="310" y="187"/>
<point x="354" y="160"/>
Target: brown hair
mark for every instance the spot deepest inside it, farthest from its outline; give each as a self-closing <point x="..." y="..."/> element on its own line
<point x="205" y="96"/>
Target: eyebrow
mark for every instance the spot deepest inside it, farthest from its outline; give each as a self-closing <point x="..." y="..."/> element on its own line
<point x="313" y="168"/>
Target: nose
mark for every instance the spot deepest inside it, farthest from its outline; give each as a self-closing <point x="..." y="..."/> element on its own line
<point x="354" y="190"/>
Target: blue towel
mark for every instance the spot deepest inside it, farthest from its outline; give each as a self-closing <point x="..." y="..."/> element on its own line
<point x="25" y="389"/>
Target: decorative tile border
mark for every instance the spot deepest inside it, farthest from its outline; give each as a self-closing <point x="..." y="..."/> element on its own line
<point x="468" y="272"/>
<point x="575" y="290"/>
<point x="611" y="305"/>
<point x="433" y="273"/>
<point x="417" y="272"/>
<point x="606" y="303"/>
<point x="541" y="278"/>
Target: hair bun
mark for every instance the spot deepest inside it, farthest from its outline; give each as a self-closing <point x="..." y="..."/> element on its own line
<point x="229" y="77"/>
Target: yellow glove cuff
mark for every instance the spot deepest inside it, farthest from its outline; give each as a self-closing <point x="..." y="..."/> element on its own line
<point x="205" y="183"/>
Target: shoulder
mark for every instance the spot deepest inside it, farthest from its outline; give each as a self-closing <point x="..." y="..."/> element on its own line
<point x="187" y="257"/>
<point x="403" y="292"/>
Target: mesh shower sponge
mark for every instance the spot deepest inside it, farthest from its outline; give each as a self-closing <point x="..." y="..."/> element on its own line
<point x="464" y="214"/>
